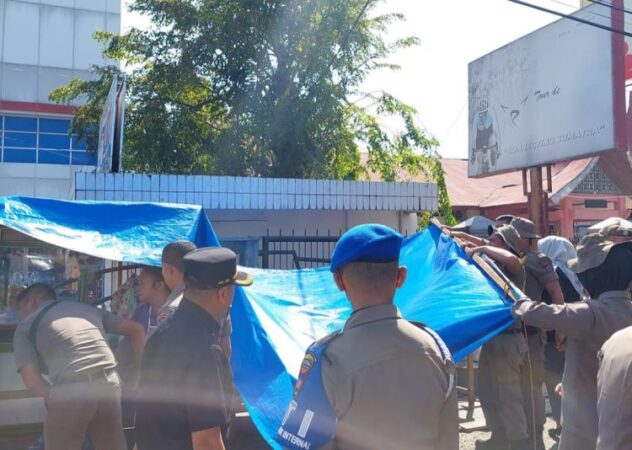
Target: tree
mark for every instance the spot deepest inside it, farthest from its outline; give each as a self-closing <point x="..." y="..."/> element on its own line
<point x="256" y="87"/>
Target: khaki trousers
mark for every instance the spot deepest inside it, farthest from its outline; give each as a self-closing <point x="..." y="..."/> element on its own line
<point x="77" y="410"/>
<point x="499" y="388"/>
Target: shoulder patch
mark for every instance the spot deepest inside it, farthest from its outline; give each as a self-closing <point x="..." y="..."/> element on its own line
<point x="545" y="261"/>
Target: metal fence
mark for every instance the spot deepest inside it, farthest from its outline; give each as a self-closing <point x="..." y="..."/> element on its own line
<point x="296" y="252"/>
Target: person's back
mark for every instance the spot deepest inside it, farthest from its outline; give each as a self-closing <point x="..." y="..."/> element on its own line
<point x="596" y="321"/>
<point x="373" y="377"/>
<point x="67" y="341"/>
<point x="605" y="270"/>
<point x="71" y="339"/>
<point x="386" y="383"/>
<point x="614" y="392"/>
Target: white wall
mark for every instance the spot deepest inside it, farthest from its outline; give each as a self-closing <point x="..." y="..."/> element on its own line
<point x="37" y="180"/>
<point x="45" y="43"/>
<point x="251" y="225"/>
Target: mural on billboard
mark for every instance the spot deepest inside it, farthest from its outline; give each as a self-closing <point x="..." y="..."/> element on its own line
<point x="539" y="99"/>
<point x="485" y="151"/>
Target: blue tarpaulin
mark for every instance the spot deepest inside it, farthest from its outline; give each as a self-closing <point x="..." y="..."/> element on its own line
<point x="284" y="311"/>
<point x="276" y="318"/>
<point x="129" y="232"/>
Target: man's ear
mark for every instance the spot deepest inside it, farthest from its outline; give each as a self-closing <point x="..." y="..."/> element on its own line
<point x="402" y="273"/>
<point x="225" y="295"/>
<point x="339" y="281"/>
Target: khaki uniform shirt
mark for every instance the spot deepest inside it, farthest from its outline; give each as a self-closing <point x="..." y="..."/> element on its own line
<point x="386" y="380"/>
<point x="539" y="271"/>
<point x="171" y="304"/>
<point x="614" y="392"/>
<point x="70" y="339"/>
<point x="519" y="279"/>
<point x="587" y="326"/>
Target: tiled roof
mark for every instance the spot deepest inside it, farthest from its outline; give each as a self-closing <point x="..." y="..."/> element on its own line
<point x="506" y="189"/>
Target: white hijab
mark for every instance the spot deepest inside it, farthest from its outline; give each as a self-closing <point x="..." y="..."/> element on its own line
<point x="560" y="250"/>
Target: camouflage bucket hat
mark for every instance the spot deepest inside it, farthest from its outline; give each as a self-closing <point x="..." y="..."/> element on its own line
<point x="592" y="251"/>
<point x="617" y="229"/>
<point x="509" y="235"/>
<point x="525" y="228"/>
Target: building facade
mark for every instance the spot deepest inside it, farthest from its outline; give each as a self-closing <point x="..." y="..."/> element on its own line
<point x="584" y="192"/>
<point x="43" y="45"/>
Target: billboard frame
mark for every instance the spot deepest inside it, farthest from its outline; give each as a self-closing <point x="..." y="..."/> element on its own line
<point x="619" y="117"/>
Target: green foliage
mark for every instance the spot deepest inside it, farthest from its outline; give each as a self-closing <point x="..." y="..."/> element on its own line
<point x="257" y="87"/>
<point x="443" y="200"/>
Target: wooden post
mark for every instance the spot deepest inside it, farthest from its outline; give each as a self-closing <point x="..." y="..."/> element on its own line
<point x="537" y="198"/>
<point x="471" y="389"/>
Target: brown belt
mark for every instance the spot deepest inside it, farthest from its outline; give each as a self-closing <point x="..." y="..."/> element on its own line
<point x="99" y="375"/>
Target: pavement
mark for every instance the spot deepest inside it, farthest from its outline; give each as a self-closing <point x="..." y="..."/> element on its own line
<point x="244" y="436"/>
<point x="472" y="427"/>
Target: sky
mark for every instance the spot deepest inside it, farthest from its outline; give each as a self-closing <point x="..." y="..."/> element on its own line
<point x="433" y="75"/>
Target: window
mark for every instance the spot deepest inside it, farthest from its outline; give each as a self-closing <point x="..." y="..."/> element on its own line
<point x="597" y="182"/>
<point x="580" y="229"/>
<point x="44" y="140"/>
<point x="19" y="155"/>
<point x="18" y="123"/>
<point x="54" y="157"/>
<point x="22" y="140"/>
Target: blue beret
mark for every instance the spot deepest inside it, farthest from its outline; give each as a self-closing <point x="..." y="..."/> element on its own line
<point x="369" y="243"/>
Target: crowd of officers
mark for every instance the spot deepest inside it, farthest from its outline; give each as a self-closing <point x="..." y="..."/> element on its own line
<point x="576" y="299"/>
<point x="388" y="382"/>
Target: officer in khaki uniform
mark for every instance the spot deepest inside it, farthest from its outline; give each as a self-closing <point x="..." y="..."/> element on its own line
<point x="604" y="269"/>
<point x="389" y="383"/>
<point x="502" y="359"/>
<point x="614" y="392"/>
<point x="68" y="341"/>
<point x="541" y="276"/>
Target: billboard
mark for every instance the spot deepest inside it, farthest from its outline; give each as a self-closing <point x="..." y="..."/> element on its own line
<point x="552" y="95"/>
<point x="110" y="143"/>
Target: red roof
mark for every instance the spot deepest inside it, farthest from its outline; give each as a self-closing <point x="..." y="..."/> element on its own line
<point x="506" y="189"/>
<point x="617" y="165"/>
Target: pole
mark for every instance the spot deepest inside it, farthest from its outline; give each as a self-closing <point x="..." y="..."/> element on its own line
<point x="537" y="198"/>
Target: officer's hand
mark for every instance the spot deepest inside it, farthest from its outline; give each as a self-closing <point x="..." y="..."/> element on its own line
<point x="560" y="341"/>
<point x="559" y="390"/>
<point x="470" y="250"/>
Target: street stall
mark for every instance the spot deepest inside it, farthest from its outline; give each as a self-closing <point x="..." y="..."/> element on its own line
<point x="85" y="250"/>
